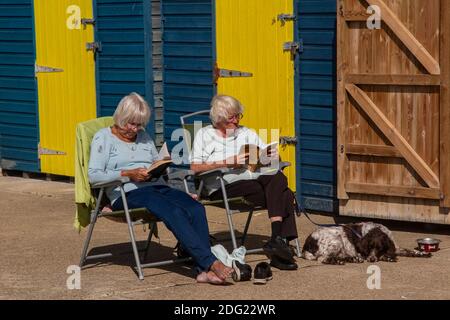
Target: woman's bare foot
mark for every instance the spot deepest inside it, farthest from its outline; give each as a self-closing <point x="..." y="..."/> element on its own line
<point x="209" y="277"/>
<point x="221" y="270"/>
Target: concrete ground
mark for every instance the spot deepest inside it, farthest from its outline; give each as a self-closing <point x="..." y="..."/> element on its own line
<point x="38" y="244"/>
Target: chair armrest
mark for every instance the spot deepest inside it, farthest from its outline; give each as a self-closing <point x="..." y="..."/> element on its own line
<point x="210" y="173"/>
<point x="113" y="183"/>
<point x="180" y="174"/>
<point x="284" y="164"/>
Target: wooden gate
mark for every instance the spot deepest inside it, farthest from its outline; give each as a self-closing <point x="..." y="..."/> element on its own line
<point x="393" y="109"/>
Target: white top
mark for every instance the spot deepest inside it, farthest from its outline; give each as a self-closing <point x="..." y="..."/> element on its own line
<point x="209" y="146"/>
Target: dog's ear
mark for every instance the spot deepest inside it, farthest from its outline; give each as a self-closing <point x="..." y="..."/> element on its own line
<point x="363" y="246"/>
<point x="390" y="247"/>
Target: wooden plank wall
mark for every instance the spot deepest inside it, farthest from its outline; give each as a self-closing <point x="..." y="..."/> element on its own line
<point x="393" y="109"/>
<point x="157" y="72"/>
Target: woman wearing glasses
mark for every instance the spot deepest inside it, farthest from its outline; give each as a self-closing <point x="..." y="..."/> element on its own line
<point x="218" y="146"/>
<point x="126" y="150"/>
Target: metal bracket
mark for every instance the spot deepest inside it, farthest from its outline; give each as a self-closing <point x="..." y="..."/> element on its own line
<point x="226" y="73"/>
<point x="293" y="47"/>
<point x="86" y="21"/>
<point x="45" y="151"/>
<point x="94" y="46"/>
<point x="283" y="17"/>
<point x="45" y="69"/>
<point x="286" y="140"/>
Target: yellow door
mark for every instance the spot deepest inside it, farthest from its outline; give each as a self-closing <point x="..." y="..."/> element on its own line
<point x="66" y="79"/>
<point x="250" y="38"/>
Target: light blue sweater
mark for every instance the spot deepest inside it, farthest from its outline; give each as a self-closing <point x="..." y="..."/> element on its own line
<point x="110" y="155"/>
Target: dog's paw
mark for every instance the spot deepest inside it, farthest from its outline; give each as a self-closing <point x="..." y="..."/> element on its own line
<point x="357" y="260"/>
<point x="388" y="259"/>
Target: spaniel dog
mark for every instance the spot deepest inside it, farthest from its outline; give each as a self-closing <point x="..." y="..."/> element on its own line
<point x="355" y="242"/>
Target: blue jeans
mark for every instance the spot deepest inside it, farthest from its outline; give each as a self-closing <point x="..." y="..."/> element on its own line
<point x="181" y="214"/>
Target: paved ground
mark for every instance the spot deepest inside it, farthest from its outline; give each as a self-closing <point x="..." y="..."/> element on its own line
<point x="38" y="244"/>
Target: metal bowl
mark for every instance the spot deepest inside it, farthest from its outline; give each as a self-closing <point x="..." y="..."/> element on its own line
<point x="428" y="244"/>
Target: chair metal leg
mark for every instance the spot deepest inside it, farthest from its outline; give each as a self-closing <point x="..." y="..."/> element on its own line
<point x="229" y="213"/>
<point x="149" y="240"/>
<point x="185" y="184"/>
<point x="132" y="237"/>
<point x="297" y="244"/>
<point x="91" y="228"/>
<point x="247" y="225"/>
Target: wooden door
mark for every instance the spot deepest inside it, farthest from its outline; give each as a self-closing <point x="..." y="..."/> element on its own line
<point x="249" y="38"/>
<point x="393" y="109"/>
<point x="66" y="79"/>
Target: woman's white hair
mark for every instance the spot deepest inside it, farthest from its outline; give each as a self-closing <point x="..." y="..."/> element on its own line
<point x="222" y="107"/>
<point x="132" y="109"/>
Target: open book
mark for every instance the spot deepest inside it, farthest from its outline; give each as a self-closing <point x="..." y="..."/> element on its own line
<point x="258" y="157"/>
<point x="159" y="167"/>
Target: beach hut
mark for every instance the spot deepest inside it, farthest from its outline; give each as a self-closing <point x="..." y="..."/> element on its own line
<point x="359" y="90"/>
<point x="62" y="62"/>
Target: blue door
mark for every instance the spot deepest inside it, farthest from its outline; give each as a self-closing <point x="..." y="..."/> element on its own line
<point x="19" y="130"/>
<point x="123" y="35"/>
<point x="316" y="105"/>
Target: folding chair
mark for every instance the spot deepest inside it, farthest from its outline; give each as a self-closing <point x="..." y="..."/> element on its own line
<point x="132" y="217"/>
<point x="231" y="205"/>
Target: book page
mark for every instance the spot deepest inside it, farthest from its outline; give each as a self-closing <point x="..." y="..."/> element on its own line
<point x="164" y="152"/>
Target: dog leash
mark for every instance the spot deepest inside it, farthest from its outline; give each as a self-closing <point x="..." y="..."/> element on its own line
<point x="300" y="209"/>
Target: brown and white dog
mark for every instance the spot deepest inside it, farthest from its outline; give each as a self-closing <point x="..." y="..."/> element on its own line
<point x="355" y="242"/>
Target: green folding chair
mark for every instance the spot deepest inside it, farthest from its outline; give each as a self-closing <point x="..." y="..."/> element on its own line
<point x="90" y="210"/>
<point x="231" y="205"/>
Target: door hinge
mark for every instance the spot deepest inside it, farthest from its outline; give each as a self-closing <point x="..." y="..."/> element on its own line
<point x="86" y="21"/>
<point x="46" y="151"/>
<point x="45" y="69"/>
<point x="286" y="140"/>
<point x="94" y="46"/>
<point x="226" y="73"/>
<point x="283" y="17"/>
<point x="293" y="47"/>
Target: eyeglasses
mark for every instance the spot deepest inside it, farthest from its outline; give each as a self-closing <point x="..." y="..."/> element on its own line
<point x="238" y="117"/>
<point x="131" y="125"/>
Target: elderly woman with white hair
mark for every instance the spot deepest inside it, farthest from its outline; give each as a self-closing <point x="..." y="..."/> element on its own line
<point x="126" y="150"/>
<point x="218" y="146"/>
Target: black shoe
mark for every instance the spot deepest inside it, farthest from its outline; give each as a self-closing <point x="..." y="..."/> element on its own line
<point x="283" y="264"/>
<point x="262" y="273"/>
<point x="242" y="272"/>
<point x="278" y="248"/>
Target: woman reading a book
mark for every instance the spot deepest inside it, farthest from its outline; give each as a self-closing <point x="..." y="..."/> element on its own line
<point x="126" y="150"/>
<point x="225" y="144"/>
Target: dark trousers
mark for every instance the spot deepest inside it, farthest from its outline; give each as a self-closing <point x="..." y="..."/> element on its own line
<point x="271" y="192"/>
<point x="181" y="214"/>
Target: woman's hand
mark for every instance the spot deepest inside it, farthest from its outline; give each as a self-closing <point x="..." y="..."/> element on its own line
<point x="273" y="154"/>
<point x="237" y="161"/>
<point x="137" y="175"/>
